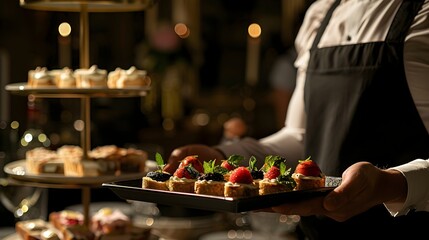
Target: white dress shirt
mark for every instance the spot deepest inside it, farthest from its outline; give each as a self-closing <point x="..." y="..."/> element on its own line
<point x="352" y="22"/>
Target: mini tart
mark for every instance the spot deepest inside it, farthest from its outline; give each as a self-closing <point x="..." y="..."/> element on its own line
<point x="150" y="183"/>
<point x="133" y="78"/>
<point x="109" y="221"/>
<point x="66" y="79"/>
<point x="177" y="184"/>
<point x="308" y="182"/>
<point x="30" y="229"/>
<point x="267" y="186"/>
<point x="42" y="78"/>
<point x="92" y="77"/>
<point x="210" y="187"/>
<point x="236" y="190"/>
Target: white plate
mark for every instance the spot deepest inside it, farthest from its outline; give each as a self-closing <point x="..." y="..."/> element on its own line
<point x="18" y="171"/>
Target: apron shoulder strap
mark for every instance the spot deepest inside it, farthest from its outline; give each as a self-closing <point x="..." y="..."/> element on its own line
<point x="324" y="24"/>
<point x="403" y="20"/>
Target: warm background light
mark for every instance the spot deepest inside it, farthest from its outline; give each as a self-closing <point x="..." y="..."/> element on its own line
<point x="182" y="30"/>
<point x="64" y="29"/>
<point x="254" y="30"/>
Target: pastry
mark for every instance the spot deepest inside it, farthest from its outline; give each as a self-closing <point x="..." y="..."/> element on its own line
<point x="113" y="76"/>
<point x="132" y="160"/>
<point x="66" y="79"/>
<point x="276" y="179"/>
<point x="71" y="226"/>
<point x="41" y="160"/>
<point x="212" y="182"/>
<point x="90" y="78"/>
<point x="183" y="179"/>
<point x="74" y="164"/>
<point x="132" y="77"/>
<point x="109" y="221"/>
<point x="65" y="218"/>
<point x="31" y="74"/>
<point x="157" y="179"/>
<point x="240" y="184"/>
<point x="30" y="229"/>
<point x="308" y="175"/>
<point x="40" y="78"/>
<point x="108" y="159"/>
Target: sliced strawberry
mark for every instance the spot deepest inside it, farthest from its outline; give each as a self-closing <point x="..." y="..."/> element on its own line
<point x="182" y="173"/>
<point x="308" y="168"/>
<point x="232" y="162"/>
<point x="186" y="172"/>
<point x="241" y="175"/>
<point x="194" y="161"/>
<point x="272" y="173"/>
<point x="225" y="164"/>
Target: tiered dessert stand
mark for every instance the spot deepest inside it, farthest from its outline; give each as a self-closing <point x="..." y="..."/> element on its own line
<point x="16" y="170"/>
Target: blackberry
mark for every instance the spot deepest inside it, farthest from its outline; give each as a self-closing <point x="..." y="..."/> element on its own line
<point x="159" y="176"/>
<point x="257" y="174"/>
<point x="212" y="176"/>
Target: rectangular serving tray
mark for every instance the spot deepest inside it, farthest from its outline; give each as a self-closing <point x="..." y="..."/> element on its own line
<point x="132" y="190"/>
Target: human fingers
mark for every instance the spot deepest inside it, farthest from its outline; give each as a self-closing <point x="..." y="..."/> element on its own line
<point x="350" y="187"/>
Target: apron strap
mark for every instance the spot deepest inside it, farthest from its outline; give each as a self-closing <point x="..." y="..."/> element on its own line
<point x="324" y="24"/>
<point x="402" y="21"/>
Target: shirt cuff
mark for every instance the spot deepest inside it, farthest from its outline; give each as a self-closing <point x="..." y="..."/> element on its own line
<point x="417" y="174"/>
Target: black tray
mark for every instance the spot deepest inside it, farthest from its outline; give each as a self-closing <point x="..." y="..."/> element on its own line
<point x="132" y="190"/>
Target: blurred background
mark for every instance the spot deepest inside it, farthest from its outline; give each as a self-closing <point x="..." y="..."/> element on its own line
<point x="209" y="61"/>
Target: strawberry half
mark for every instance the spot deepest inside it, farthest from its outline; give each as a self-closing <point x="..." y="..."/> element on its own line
<point x="187" y="172"/>
<point x="272" y="173"/>
<point x="308" y="168"/>
<point x="193" y="161"/>
<point x="232" y="162"/>
<point x="241" y="175"/>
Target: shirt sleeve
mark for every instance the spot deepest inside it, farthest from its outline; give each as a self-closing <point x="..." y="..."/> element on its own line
<point x="417" y="174"/>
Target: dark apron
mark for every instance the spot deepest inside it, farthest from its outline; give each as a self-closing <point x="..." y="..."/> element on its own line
<point x="359" y="108"/>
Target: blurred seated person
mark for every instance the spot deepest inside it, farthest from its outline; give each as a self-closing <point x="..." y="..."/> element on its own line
<point x="233" y="129"/>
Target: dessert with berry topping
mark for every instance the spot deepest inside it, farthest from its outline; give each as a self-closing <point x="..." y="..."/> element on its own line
<point x="240" y="184"/>
<point x="71" y="225"/>
<point x="212" y="182"/>
<point x="308" y="175"/>
<point x="108" y="221"/>
<point x="230" y="164"/>
<point x="157" y="179"/>
<point x="184" y="178"/>
<point x="276" y="179"/>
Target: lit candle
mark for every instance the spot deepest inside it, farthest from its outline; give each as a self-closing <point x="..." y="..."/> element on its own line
<point x="253" y="49"/>
<point x="64" y="45"/>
